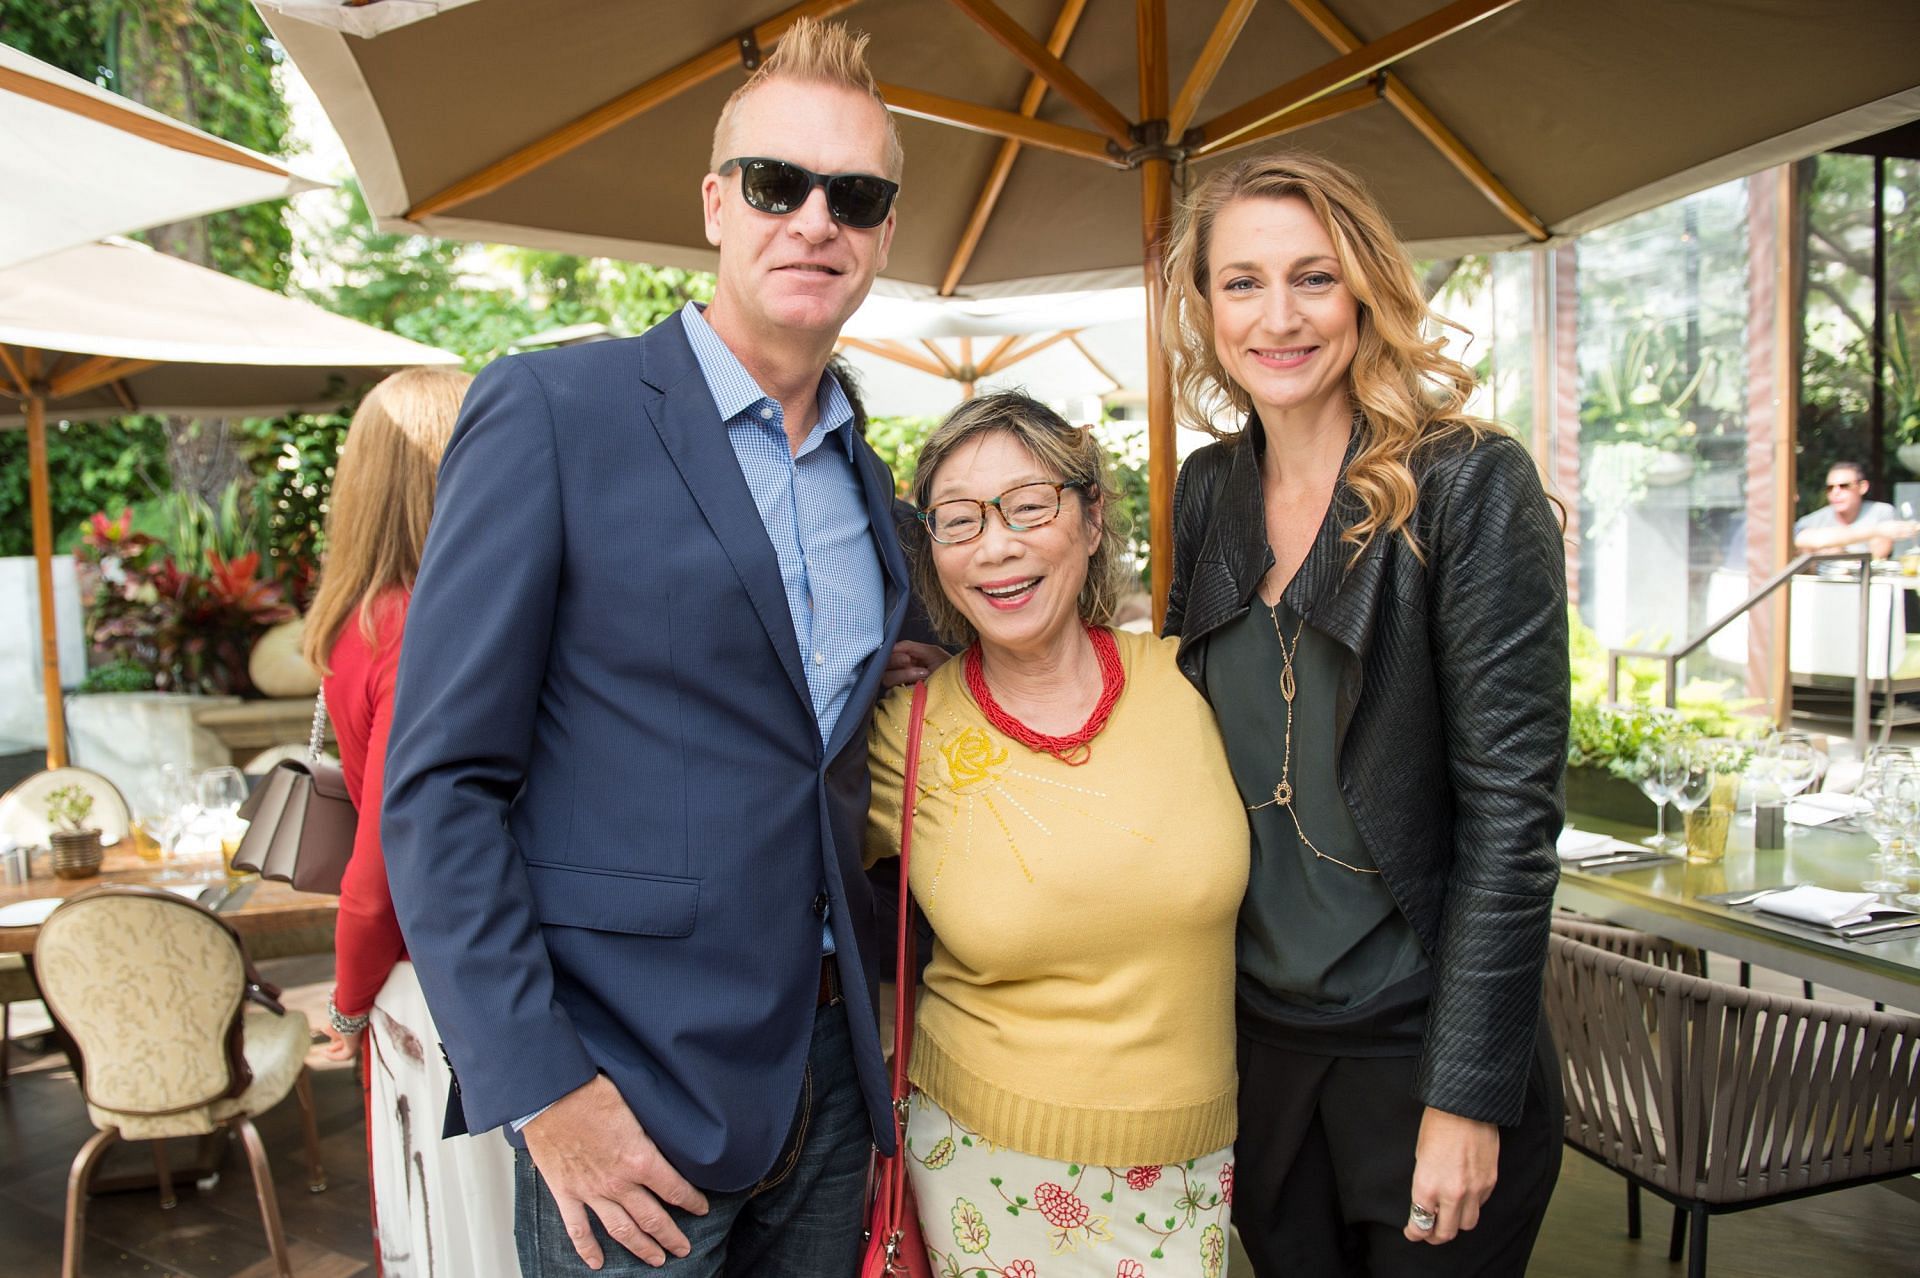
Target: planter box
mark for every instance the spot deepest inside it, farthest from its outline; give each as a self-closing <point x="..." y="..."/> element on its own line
<point x="126" y="736"/>
<point x="1598" y="793"/>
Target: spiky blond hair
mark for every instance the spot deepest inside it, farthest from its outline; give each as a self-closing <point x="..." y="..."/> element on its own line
<point x="813" y="52"/>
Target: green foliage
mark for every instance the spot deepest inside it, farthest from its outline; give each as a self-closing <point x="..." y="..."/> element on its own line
<point x="1615" y="735"/>
<point x="69" y="806"/>
<point x="293" y="460"/>
<point x="898" y="440"/>
<point x="117" y="676"/>
<point x="90" y="466"/>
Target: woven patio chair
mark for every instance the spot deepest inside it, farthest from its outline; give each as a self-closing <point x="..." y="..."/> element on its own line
<point x="1721" y="1099"/>
<point x="153" y="990"/>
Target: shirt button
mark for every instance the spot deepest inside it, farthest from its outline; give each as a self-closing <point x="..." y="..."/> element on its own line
<point x="819" y="658"/>
<point x="820" y="906"/>
<point x="766" y="414"/>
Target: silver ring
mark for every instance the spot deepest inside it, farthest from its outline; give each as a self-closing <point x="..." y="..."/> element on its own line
<point x="1423" y="1220"/>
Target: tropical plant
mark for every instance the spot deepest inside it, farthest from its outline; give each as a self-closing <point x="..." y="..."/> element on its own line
<point x="1903" y="385"/>
<point x="191" y="626"/>
<point x="69" y="806"/>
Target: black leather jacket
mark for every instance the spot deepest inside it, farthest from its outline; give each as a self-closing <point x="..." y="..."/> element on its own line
<point x="1451" y="720"/>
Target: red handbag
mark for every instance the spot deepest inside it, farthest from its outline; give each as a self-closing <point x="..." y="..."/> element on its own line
<point x="894" y="1245"/>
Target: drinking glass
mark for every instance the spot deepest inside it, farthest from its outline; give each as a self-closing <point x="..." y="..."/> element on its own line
<point x="1892" y="792"/>
<point x="1660" y="770"/>
<point x="221" y="791"/>
<point x="167" y="810"/>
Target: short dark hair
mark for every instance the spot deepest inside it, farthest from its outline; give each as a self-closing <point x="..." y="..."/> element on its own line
<point x="1859" y="471"/>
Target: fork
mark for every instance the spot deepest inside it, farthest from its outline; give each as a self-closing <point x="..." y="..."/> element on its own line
<point x="1749" y="898"/>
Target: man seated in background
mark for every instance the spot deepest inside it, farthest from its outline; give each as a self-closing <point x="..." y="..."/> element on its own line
<point x="1849" y="521"/>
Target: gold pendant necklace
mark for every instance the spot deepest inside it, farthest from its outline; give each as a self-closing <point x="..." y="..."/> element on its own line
<point x="1283" y="789"/>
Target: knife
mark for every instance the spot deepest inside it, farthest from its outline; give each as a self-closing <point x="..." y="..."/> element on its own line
<point x="237" y="895"/>
<point x="1885" y="925"/>
<point x="1618" y="858"/>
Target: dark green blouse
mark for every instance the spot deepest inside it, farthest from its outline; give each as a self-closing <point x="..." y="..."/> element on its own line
<point x="1326" y="960"/>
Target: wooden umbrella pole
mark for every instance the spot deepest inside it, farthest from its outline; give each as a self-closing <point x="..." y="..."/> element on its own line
<point x="1156" y="212"/>
<point x="43" y="562"/>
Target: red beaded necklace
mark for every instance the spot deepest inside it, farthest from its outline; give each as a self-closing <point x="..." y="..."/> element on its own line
<point x="1075" y="748"/>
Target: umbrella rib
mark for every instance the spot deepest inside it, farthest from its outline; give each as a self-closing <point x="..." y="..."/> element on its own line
<point x="895" y="352"/>
<point x="1362" y="62"/>
<point x="1098" y="367"/>
<point x="612" y="114"/>
<point x="1429" y="125"/>
<point x="1213" y="56"/>
<point x="1034" y="348"/>
<point x="164" y="132"/>
<point x="982" y="119"/>
<point x="1318" y="111"/>
<point x="94" y="373"/>
<point x="991" y="364"/>
<point x="933" y="349"/>
<point x="15" y="371"/>
<point x="996" y="182"/>
<point x="995" y="22"/>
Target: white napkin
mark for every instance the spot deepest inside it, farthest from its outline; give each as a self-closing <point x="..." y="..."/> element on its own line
<point x="1825" y="907"/>
<point x="1581" y="845"/>
<point x="1820" y="808"/>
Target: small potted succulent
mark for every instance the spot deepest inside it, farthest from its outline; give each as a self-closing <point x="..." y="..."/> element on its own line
<point x="76" y="845"/>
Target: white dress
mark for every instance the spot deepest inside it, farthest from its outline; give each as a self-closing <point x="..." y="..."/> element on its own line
<point x="442" y="1207"/>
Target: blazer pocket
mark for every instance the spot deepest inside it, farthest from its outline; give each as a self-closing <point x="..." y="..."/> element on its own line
<point x="613" y="900"/>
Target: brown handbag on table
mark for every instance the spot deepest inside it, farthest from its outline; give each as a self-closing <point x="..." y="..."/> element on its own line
<point x="301" y="820"/>
<point x="894" y="1245"/>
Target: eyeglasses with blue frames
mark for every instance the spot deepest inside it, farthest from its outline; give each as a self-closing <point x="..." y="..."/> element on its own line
<point x="1022" y="509"/>
<point x="859" y="200"/>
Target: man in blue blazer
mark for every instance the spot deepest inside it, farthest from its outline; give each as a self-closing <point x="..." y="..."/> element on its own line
<point x="628" y="776"/>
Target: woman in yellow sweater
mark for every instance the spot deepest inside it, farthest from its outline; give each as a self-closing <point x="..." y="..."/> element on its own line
<point x="1081" y="852"/>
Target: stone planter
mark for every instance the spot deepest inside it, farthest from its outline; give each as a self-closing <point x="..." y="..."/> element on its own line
<point x="1909" y="455"/>
<point x="1598" y="793"/>
<point x="76" y="853"/>
<point x="1668" y="469"/>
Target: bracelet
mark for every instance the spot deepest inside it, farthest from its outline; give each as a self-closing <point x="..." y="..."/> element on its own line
<point x="344" y="1025"/>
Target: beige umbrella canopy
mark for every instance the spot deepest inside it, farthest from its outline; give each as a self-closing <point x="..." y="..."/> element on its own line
<point x="921" y="356"/>
<point x="114" y="328"/>
<point x="81" y="162"/>
<point x="1044" y="138"/>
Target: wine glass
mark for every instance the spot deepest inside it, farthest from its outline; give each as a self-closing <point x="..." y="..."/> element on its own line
<point x="1693" y="773"/>
<point x="1892" y="793"/>
<point x="221" y="791"/>
<point x="1660" y="769"/>
<point x="168" y="808"/>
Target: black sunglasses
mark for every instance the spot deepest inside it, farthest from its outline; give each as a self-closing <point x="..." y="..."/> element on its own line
<point x="859" y="200"/>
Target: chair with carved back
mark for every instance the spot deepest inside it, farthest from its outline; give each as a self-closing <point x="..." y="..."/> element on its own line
<point x="154" y="992"/>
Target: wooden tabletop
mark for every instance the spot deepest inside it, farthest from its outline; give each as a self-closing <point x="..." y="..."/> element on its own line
<point x="1663" y="898"/>
<point x="269" y="910"/>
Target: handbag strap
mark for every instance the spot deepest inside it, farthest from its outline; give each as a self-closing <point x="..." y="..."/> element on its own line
<point x="905" y="970"/>
<point x="318" y="736"/>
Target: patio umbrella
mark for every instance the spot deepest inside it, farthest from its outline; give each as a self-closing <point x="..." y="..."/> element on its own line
<point x="114" y="328"/>
<point x="82" y="162"/>
<point x="1045" y="138"/>
<point x="918" y="357"/>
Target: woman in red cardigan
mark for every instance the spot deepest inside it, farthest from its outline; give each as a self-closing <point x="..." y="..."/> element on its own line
<point x="444" y="1205"/>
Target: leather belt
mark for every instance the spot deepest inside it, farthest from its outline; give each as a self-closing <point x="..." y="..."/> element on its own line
<point x="829" y="982"/>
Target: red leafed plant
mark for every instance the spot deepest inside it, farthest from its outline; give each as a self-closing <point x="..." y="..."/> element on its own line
<point x="188" y="622"/>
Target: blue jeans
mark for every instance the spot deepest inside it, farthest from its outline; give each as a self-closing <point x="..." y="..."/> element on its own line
<point x="801" y="1221"/>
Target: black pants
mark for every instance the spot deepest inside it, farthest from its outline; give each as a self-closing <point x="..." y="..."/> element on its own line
<point x="1324" y="1169"/>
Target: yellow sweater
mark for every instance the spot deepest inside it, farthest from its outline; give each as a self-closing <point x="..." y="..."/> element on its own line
<point x="1079" y="1002"/>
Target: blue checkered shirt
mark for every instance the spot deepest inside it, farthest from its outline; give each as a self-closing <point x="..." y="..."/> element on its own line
<point x="815" y="514"/>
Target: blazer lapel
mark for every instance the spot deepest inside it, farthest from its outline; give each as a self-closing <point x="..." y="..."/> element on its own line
<point x="876" y="486"/>
<point x="690" y="427"/>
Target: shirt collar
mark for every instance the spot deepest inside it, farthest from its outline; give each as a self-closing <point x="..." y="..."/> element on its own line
<point x="733" y="388"/>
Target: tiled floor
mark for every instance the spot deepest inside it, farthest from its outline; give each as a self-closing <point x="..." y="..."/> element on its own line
<point x="216" y="1232"/>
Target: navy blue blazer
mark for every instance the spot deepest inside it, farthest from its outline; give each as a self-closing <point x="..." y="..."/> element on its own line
<point x="610" y="825"/>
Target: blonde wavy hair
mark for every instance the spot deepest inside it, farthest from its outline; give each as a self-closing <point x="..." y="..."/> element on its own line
<point x="1411" y="393"/>
<point x="1069" y="454"/>
<point x="382" y="501"/>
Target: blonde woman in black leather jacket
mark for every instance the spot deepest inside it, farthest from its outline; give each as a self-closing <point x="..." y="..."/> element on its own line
<point x="1370" y="588"/>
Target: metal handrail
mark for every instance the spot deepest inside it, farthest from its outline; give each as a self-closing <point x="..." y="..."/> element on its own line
<point x="1672" y="658"/>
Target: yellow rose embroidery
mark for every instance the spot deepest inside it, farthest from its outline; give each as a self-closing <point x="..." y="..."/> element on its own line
<point x="972" y="759"/>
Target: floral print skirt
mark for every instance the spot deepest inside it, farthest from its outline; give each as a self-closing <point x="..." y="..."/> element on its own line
<point x="987" y="1211"/>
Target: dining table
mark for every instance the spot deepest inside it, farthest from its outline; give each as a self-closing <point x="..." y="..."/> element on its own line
<point x="272" y="919"/>
<point x="1668" y="898"/>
